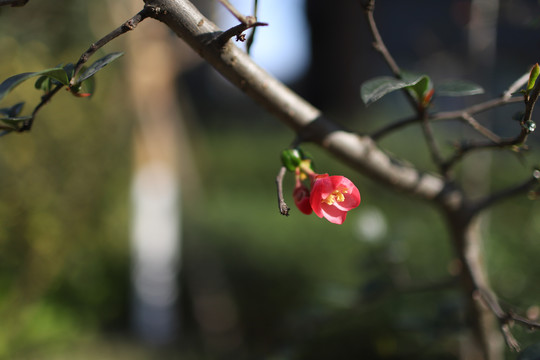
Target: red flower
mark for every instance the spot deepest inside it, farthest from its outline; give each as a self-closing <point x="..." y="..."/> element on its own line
<point x="301" y="197"/>
<point x="332" y="196"/>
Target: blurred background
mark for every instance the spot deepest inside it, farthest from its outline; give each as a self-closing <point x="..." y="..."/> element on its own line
<point x="142" y="223"/>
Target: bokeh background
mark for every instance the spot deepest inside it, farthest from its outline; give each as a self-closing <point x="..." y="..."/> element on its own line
<point x="142" y="223"/>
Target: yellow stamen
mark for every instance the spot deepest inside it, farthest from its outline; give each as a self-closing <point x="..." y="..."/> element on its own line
<point x="337" y="195"/>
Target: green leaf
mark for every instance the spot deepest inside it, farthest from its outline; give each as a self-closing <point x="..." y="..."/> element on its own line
<point x="89" y="85"/>
<point x="372" y="90"/>
<point x="10" y="83"/>
<point x="13" y="122"/>
<point x="458" y="88"/>
<point x="420" y="84"/>
<point x="535" y="71"/>
<point x="43" y="83"/>
<point x="12" y="111"/>
<point x="98" y="65"/>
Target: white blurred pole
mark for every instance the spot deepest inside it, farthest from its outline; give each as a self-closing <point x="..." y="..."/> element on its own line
<point x="155" y="252"/>
<point x="160" y="150"/>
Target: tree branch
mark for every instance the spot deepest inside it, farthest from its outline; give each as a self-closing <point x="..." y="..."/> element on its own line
<point x="379" y="45"/>
<point x="251" y="37"/>
<point x="529" y="184"/>
<point x="432" y="144"/>
<point x="125" y="27"/>
<point x="122" y="29"/>
<point x="359" y="152"/>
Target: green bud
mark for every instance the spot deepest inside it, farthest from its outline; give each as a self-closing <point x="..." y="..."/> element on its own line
<point x="535" y="71"/>
<point x="291" y="158"/>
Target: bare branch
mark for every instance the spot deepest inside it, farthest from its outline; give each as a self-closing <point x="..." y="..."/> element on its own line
<point x="469" y="119"/>
<point x="246" y="22"/>
<point x="378" y="42"/>
<point x="432" y="144"/>
<point x="447" y="115"/>
<point x="283" y="208"/>
<point x="122" y="29"/>
<point x="251" y="37"/>
<point x="506" y="318"/>
<point x="519" y="189"/>
<point x="27" y="126"/>
<point x="379" y="45"/>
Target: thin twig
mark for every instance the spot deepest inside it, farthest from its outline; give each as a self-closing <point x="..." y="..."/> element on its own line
<point x="469" y="119"/>
<point x="283" y="208"/>
<point x="506" y="318"/>
<point x="246" y="22"/>
<point x="526" y="128"/>
<point x="516" y="85"/>
<point x="432" y="144"/>
<point x="125" y="27"/>
<point x="251" y="37"/>
<point x="378" y="42"/>
<point x="379" y="45"/>
<point x="236" y="31"/>
<point x="122" y="29"/>
<point x="27" y="126"/>
<point x="518" y="189"/>
<point x="396" y="125"/>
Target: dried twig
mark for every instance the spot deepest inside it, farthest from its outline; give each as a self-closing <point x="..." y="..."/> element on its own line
<point x="246" y="22"/>
<point x="283" y="208"/>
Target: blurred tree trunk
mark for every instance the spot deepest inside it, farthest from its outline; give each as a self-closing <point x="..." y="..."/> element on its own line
<point x="334" y="75"/>
<point x="161" y="158"/>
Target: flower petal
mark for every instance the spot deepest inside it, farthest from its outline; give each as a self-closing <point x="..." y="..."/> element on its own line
<point x="333" y="214"/>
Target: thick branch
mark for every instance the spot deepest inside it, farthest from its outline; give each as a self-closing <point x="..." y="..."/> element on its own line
<point x="359" y="152"/>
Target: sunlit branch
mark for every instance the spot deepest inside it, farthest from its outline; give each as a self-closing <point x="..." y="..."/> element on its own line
<point x="246" y="22"/>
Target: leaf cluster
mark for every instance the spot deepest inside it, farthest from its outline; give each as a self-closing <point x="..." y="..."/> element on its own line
<point x="419" y="86"/>
<point x="49" y="80"/>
